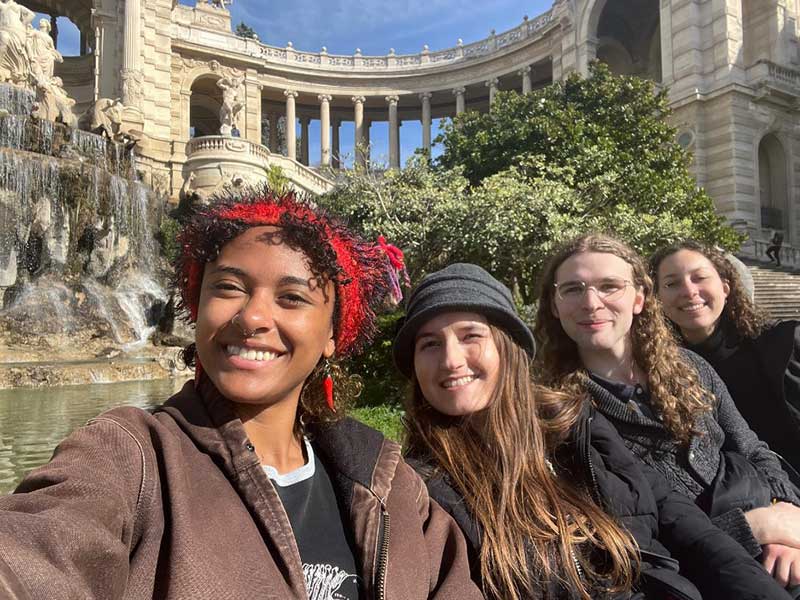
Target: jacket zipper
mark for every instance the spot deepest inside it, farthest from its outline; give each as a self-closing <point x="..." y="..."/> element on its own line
<point x="595" y="487"/>
<point x="578" y="566"/>
<point x="383" y="555"/>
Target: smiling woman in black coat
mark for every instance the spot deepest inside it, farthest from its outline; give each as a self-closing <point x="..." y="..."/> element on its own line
<point x="759" y="360"/>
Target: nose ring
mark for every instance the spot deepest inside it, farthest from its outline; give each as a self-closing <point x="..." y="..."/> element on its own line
<point x="236" y="321"/>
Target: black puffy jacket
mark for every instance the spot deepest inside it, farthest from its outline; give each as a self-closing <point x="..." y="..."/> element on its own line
<point x="668" y="527"/>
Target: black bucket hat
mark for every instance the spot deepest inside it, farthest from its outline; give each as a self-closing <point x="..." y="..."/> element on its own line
<point x="458" y="287"/>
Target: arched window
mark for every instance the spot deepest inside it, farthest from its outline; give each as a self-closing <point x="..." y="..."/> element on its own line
<point x="629" y="38"/>
<point x="773" y="184"/>
<point x="204" y="105"/>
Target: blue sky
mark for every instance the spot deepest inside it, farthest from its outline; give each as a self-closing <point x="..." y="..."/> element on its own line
<point x="374" y="26"/>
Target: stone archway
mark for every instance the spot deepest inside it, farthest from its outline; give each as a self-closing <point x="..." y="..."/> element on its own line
<point x="204" y="106"/>
<point x="627" y="36"/>
<point x="773" y="184"/>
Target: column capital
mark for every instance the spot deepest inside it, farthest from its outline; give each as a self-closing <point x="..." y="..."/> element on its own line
<point x="304" y="119"/>
<point x="290" y="93"/>
<point x="425" y="96"/>
<point x="524" y="70"/>
<point x="358" y="99"/>
<point x="392" y="99"/>
<point x="492" y="82"/>
<point x="459" y="91"/>
<point x="324" y="98"/>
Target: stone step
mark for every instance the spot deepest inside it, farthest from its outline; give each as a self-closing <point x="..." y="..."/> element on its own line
<point x="777" y="290"/>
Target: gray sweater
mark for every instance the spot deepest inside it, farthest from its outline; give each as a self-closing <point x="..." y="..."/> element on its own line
<point x="692" y="470"/>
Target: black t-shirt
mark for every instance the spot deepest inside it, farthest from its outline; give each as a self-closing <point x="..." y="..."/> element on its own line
<point x="329" y="564"/>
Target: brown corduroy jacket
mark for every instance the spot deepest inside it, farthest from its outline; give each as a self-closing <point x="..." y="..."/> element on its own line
<point x="175" y="505"/>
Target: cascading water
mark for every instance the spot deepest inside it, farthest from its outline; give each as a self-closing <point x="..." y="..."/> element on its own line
<point x="77" y="247"/>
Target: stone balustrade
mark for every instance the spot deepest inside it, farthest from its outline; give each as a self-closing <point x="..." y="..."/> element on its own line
<point x="214" y="162"/>
<point x="767" y="74"/>
<point x="790" y="255"/>
<point x="530" y="28"/>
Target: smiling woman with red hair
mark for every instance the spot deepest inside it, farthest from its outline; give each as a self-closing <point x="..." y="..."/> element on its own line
<point x="249" y="482"/>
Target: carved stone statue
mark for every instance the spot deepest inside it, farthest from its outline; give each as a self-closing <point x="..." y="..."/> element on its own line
<point x="53" y="103"/>
<point x="104" y="117"/>
<point x="42" y="52"/>
<point x="220" y="3"/>
<point x="15" y="26"/>
<point x="232" y="104"/>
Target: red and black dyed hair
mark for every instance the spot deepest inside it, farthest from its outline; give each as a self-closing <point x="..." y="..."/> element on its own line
<point x="361" y="271"/>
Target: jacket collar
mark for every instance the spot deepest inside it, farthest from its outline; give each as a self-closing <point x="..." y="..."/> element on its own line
<point x="350" y="448"/>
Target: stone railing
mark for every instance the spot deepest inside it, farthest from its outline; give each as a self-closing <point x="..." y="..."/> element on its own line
<point x="530" y="28"/>
<point x="215" y="144"/>
<point x="768" y="73"/>
<point x="216" y="161"/>
<point x="790" y="255"/>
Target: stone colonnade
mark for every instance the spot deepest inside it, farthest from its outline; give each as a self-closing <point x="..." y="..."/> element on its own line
<point x="329" y="127"/>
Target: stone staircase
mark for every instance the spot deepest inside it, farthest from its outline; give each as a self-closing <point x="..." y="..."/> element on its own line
<point x="776" y="289"/>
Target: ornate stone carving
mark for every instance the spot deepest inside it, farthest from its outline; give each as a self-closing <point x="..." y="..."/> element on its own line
<point x="53" y="104"/>
<point x="15" y="27"/>
<point x="103" y="117"/>
<point x="232" y="103"/>
<point x="132" y="81"/>
<point x="42" y="52"/>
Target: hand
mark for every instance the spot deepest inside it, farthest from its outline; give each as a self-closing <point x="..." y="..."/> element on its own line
<point x="783" y="563"/>
<point x="775" y="524"/>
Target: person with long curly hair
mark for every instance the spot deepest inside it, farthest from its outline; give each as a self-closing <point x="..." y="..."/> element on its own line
<point x="551" y="501"/>
<point x="757" y="358"/>
<point x="250" y="482"/>
<point x="603" y="335"/>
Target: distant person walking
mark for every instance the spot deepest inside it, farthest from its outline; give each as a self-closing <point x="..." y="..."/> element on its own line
<point x="774" y="248"/>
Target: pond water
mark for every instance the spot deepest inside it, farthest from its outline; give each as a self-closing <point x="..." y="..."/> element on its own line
<point x="33" y="422"/>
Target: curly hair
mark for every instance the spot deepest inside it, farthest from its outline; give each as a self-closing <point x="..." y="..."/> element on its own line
<point x="499" y="463"/>
<point x="747" y="319"/>
<point x="359" y="271"/>
<point x="676" y="393"/>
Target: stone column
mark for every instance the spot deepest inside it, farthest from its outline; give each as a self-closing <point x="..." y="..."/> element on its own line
<point x="131" y="74"/>
<point x="492" y="85"/>
<point x="273" y="133"/>
<point x="459" y="93"/>
<point x="291" y="124"/>
<point x="324" y="129"/>
<point x="335" y="160"/>
<point x="426" y="121"/>
<point x="527" y="84"/>
<point x="358" y="122"/>
<point x="367" y="139"/>
<point x="304" y="121"/>
<point x="394" y="133"/>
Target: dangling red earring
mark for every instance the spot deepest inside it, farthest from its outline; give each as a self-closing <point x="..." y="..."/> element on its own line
<point x="327" y="386"/>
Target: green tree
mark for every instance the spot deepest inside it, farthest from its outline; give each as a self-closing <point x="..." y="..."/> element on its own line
<point x="604" y="136"/>
<point x="243" y="30"/>
<point x="591" y="154"/>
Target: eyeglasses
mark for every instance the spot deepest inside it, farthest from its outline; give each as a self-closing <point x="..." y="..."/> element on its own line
<point x="610" y="288"/>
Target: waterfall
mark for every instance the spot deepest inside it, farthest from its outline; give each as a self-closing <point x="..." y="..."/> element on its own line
<point x="77" y="245"/>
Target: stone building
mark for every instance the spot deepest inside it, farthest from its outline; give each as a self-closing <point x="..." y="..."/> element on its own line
<point x="731" y="67"/>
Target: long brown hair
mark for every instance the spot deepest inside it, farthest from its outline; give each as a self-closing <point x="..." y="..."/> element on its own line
<point x="498" y="462"/>
<point x="740" y="311"/>
<point x="676" y="393"/>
